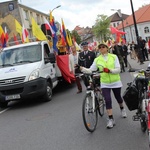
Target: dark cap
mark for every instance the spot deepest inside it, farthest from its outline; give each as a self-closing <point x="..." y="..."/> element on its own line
<point x="84" y="44"/>
<point x="140" y="37"/>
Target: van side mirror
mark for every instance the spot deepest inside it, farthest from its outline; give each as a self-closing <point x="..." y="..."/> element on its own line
<point x="52" y="57"/>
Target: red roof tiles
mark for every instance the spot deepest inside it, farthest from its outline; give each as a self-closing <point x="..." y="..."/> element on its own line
<point x="141" y="15"/>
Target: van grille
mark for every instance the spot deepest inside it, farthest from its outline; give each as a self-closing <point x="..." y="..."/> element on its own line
<point x="12" y="81"/>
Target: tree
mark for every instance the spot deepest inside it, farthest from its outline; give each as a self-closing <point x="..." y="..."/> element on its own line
<point x="101" y="27"/>
<point x="76" y="36"/>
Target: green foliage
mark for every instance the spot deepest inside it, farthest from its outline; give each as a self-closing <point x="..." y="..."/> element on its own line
<point x="76" y="36"/>
<point x="101" y="28"/>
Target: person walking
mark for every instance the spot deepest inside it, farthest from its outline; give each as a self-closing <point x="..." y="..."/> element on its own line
<point x="135" y="49"/>
<point x="143" y="48"/>
<point x="125" y="53"/>
<point x="109" y="79"/>
<point x="117" y="50"/>
<point x="74" y="59"/>
<point x="86" y="59"/>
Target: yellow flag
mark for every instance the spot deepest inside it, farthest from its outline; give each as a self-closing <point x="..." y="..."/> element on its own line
<point x="77" y="46"/>
<point x="51" y="17"/>
<point x="37" y="32"/>
<point x="69" y="40"/>
<point x="1" y="31"/>
<point x="18" y="28"/>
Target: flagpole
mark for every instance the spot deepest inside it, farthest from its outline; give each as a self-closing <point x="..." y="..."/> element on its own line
<point x="136" y="32"/>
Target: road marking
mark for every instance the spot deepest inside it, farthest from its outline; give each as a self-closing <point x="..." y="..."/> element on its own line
<point x="4" y="110"/>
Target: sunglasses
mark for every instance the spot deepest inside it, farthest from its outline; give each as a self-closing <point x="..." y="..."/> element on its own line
<point x="102" y="47"/>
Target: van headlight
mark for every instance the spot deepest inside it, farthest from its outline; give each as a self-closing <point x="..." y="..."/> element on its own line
<point x="34" y="75"/>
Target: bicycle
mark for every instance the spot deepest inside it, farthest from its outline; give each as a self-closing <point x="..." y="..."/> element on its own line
<point x="142" y="81"/>
<point x="93" y="102"/>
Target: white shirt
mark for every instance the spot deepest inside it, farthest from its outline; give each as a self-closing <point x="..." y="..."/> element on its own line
<point x="73" y="60"/>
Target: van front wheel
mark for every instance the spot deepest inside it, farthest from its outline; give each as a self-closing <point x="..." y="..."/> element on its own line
<point x="48" y="93"/>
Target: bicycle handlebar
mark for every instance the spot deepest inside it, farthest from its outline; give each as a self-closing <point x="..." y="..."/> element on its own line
<point x="143" y="72"/>
<point x="139" y="70"/>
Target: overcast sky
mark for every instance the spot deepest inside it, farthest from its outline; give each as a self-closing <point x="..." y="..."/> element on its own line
<point x="82" y="12"/>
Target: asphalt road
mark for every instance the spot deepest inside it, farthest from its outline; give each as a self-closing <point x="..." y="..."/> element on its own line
<point x="58" y="125"/>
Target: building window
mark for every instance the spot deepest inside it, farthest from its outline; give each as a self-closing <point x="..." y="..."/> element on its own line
<point x="146" y="29"/>
<point x="38" y="19"/>
<point x="114" y="24"/>
<point x="26" y="14"/>
<point x="31" y="15"/>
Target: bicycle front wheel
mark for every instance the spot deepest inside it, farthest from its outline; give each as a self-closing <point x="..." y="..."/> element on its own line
<point x="101" y="103"/>
<point x="89" y="113"/>
<point x="143" y="122"/>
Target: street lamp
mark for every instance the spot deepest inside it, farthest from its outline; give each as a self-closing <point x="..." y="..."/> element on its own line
<point x="56" y="7"/>
<point x="120" y="15"/>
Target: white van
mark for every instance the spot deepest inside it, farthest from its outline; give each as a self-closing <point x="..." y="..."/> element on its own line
<point x="26" y="71"/>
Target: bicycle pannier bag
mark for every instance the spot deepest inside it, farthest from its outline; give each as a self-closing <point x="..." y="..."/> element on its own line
<point x="130" y="97"/>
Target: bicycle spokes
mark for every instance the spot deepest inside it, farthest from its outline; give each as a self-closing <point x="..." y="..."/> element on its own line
<point x="89" y="113"/>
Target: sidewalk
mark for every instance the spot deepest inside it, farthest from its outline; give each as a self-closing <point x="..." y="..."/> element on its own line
<point x="133" y="63"/>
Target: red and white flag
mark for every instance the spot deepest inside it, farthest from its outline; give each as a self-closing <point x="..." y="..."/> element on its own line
<point x="25" y="34"/>
<point x="15" y="39"/>
<point x="48" y="27"/>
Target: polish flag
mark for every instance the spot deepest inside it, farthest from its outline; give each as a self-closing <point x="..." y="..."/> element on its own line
<point x="24" y="35"/>
<point x="15" y="39"/>
<point x="48" y="27"/>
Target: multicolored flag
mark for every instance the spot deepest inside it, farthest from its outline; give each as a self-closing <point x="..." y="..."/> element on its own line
<point x="52" y="23"/>
<point x="63" y="29"/>
<point x="66" y="36"/>
<point x="6" y="34"/>
<point x="3" y="36"/>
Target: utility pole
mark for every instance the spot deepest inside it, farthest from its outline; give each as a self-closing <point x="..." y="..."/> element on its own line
<point x="137" y="34"/>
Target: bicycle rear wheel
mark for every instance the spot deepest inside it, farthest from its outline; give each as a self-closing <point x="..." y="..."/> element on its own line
<point x="149" y="137"/>
<point x="90" y="116"/>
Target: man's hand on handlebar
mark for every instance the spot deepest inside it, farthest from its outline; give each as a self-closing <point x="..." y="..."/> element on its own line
<point x="77" y="66"/>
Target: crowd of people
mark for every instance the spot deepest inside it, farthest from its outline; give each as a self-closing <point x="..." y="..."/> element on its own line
<point x="114" y="61"/>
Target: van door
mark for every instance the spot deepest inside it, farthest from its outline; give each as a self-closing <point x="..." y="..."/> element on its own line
<point x="48" y="66"/>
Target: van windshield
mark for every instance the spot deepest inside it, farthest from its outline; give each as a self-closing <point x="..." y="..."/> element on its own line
<point x="26" y="54"/>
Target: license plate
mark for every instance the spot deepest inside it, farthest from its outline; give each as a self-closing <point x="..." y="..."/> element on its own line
<point x="10" y="97"/>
